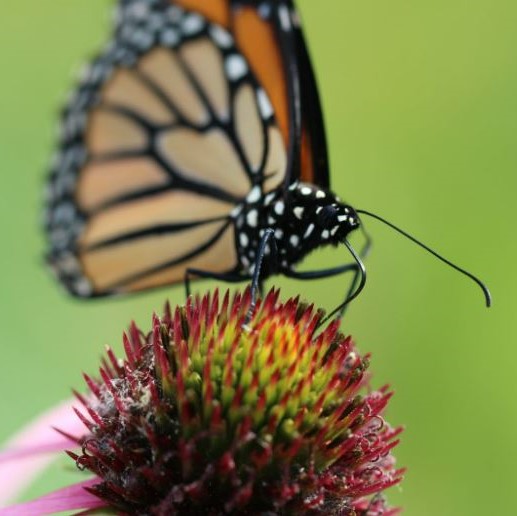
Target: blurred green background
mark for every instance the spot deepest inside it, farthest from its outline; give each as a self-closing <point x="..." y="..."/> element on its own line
<point x="421" y="106"/>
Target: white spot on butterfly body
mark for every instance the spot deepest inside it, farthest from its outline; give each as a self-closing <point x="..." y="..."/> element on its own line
<point x="325" y="234"/>
<point x="269" y="198"/>
<point x="236" y="67"/>
<point x="192" y="24"/>
<point x="280" y="208"/>
<point x="222" y="37"/>
<point x="295" y="240"/>
<point x="306" y="190"/>
<point x="334" y="230"/>
<point x="254" y="195"/>
<point x="320" y="194"/>
<point x="298" y="212"/>
<point x="342" y="218"/>
<point x="252" y="218"/>
<point x="244" y="240"/>
<point x="309" y="231"/>
<point x="265" y="107"/>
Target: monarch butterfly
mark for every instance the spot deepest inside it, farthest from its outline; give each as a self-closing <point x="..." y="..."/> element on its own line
<point x="192" y="139"/>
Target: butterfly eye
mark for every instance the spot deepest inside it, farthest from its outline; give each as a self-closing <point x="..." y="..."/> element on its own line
<point x="327" y="217"/>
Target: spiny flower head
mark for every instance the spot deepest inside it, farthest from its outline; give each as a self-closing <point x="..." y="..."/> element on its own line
<point x="208" y="415"/>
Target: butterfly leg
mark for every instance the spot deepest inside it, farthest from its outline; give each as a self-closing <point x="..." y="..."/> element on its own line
<point x="365" y="251"/>
<point x="267" y="238"/>
<point x="358" y="280"/>
<point x="324" y="273"/>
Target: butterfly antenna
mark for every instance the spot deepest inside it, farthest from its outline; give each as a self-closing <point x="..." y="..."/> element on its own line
<point x="361" y="269"/>
<point x="484" y="288"/>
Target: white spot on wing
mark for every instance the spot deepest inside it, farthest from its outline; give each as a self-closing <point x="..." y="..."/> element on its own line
<point x="192" y="24"/>
<point x="265" y="11"/>
<point x="254" y="195"/>
<point x="279" y="234"/>
<point x="82" y="288"/>
<point x="285" y="19"/>
<point x="320" y="194"/>
<point x="325" y="234"/>
<point x="68" y="264"/>
<point x="138" y="10"/>
<point x="236" y="67"/>
<point x="222" y="37"/>
<point x="266" y="109"/>
<point x="306" y="190"/>
<point x="169" y="37"/>
<point x="174" y="13"/>
<point x="295" y="16"/>
<point x="236" y="211"/>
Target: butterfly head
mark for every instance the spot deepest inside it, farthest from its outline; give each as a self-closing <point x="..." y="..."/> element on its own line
<point x="323" y="211"/>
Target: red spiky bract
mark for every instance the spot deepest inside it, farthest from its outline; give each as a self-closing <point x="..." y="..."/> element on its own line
<point x="205" y="416"/>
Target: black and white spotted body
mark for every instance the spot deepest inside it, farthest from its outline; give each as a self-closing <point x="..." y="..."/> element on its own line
<point x="304" y="218"/>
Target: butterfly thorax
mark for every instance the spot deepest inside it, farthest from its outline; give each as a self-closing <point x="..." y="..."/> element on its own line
<point x="303" y="218"/>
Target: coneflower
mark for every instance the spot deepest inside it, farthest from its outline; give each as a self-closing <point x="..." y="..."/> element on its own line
<point x="206" y="415"/>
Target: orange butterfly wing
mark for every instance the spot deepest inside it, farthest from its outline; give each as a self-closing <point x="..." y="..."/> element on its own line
<point x="164" y="138"/>
<point x="257" y="39"/>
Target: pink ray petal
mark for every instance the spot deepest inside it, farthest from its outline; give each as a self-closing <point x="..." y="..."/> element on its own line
<point x="70" y="498"/>
<point x="30" y="451"/>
